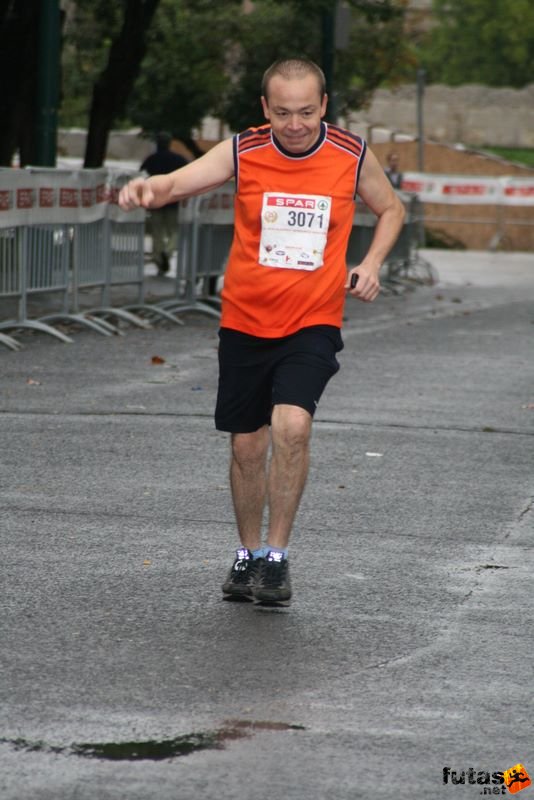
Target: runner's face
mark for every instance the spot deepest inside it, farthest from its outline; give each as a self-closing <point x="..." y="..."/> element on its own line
<point x="295" y="109"/>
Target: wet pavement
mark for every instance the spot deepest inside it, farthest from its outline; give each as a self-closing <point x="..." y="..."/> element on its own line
<point x="408" y="647"/>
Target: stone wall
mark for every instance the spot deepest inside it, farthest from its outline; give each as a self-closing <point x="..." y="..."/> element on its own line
<point x="473" y="114"/>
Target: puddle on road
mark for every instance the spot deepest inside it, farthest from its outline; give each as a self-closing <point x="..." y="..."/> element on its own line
<point x="154" y="750"/>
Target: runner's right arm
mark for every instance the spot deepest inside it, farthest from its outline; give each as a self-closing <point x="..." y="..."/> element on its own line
<point x="205" y="173"/>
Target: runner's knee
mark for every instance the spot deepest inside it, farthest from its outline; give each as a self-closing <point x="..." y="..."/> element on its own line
<point x="291" y="428"/>
<point x="250" y="449"/>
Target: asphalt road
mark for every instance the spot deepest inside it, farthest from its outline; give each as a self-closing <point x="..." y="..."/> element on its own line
<point x="408" y="648"/>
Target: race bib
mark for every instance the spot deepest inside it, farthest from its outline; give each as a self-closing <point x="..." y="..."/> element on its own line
<point x="294" y="230"/>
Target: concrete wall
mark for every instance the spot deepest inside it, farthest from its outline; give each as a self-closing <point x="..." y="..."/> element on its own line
<point x="122" y="145"/>
<point x="472" y="114"/>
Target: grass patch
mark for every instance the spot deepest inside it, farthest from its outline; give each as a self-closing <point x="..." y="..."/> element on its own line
<point x="519" y="155"/>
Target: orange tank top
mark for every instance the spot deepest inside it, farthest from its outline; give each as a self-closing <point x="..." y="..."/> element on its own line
<point x="293" y="218"/>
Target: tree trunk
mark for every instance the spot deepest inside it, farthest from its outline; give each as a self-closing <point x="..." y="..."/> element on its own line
<point x="19" y="31"/>
<point x="113" y="87"/>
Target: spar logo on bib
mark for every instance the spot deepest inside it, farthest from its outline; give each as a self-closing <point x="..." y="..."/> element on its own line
<point x="292" y="202"/>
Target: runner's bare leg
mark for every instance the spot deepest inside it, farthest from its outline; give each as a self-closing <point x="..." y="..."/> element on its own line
<point x="290" y="434"/>
<point x="248" y="480"/>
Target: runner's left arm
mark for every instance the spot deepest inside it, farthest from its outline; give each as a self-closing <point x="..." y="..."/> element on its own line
<point x="377" y="193"/>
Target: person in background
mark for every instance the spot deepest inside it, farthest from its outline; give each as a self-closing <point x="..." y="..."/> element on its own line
<point x="164" y="220"/>
<point x="392" y="170"/>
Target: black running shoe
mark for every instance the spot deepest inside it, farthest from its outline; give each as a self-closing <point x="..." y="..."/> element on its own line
<point x="241" y="578"/>
<point x="273" y="586"/>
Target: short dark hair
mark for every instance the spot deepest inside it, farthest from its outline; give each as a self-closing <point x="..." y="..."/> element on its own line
<point x="163" y="140"/>
<point x="289" y="68"/>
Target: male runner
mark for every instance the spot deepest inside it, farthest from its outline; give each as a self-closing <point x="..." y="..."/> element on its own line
<point x="282" y="302"/>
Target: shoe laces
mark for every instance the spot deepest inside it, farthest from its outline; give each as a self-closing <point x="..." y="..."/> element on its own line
<point x="273" y="572"/>
<point x="242" y="566"/>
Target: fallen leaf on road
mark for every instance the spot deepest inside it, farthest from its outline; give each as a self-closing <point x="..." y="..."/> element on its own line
<point x="158" y="360"/>
<point x="147" y="562"/>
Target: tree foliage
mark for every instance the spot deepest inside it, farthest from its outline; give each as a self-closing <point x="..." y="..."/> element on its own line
<point x="89" y="29"/>
<point x="183" y="77"/>
<point x="481" y="41"/>
<point x="272" y="30"/>
<point x="189" y="72"/>
<point x="165" y="64"/>
<point x="378" y="54"/>
<point x="295" y="28"/>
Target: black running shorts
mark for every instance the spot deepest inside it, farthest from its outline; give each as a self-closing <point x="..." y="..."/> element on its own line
<point x="257" y="373"/>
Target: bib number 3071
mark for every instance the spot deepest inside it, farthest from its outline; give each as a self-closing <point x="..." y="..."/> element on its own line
<point x="294" y="230"/>
<point x="304" y="219"/>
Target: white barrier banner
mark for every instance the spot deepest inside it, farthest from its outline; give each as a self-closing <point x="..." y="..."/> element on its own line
<point x="457" y="189"/>
<point x="469" y="189"/>
<point x="517" y="191"/>
<point x="43" y="196"/>
<point x="40" y="196"/>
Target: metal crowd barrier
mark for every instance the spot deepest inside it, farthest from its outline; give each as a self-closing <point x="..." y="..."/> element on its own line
<point x="124" y="252"/>
<point x="19" y="277"/>
<point x="205" y="232"/>
<point x="64" y="196"/>
<point x="9" y="275"/>
<point x="92" y="269"/>
<point x="61" y="235"/>
<point x="403" y="265"/>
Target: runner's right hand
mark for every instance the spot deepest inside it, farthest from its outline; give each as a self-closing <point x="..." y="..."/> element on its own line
<point x="136" y="193"/>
